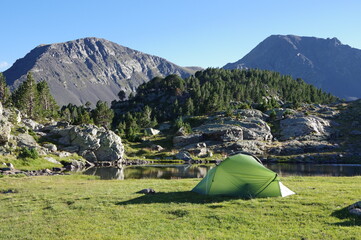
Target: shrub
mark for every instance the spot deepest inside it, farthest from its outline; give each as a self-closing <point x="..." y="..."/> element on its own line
<point x="28" y="153"/>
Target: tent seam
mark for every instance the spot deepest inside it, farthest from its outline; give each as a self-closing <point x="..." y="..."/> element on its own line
<point x="262" y="189"/>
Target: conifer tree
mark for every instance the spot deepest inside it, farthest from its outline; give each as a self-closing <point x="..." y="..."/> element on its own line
<point x="189" y="108"/>
<point x="47" y="106"/>
<point x="102" y="114"/>
<point x="25" y="96"/>
<point x="4" y="90"/>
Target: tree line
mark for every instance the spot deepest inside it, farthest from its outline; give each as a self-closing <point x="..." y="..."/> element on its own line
<point x="31" y="98"/>
<point x="35" y="100"/>
<point x="170" y="98"/>
<point x="213" y="90"/>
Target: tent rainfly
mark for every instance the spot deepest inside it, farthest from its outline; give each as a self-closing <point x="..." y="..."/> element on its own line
<point x="242" y="175"/>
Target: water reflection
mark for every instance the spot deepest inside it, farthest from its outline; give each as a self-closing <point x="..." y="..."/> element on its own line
<point x="199" y="171"/>
<point x="151" y="171"/>
<point x="106" y="172"/>
<point x="316" y="169"/>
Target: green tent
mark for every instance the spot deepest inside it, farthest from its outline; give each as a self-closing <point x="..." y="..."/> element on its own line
<point x="242" y="175"/>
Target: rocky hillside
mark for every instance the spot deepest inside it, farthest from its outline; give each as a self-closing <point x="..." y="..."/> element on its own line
<point x="19" y="134"/>
<point x="90" y="69"/>
<point x="313" y="133"/>
<point x="325" y="63"/>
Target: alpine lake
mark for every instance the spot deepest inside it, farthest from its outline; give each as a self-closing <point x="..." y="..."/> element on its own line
<point x="179" y="171"/>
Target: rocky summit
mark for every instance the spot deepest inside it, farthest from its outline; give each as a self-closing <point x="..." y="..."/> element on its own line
<point x="325" y="63"/>
<point x="90" y="69"/>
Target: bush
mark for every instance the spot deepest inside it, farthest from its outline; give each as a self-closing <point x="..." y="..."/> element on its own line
<point x="273" y="114"/>
<point x="28" y="153"/>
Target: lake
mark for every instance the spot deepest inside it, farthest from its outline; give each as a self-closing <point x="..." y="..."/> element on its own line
<point x="168" y="171"/>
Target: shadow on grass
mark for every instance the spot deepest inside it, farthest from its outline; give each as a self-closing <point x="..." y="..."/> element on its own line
<point x="176" y="197"/>
<point x="349" y="220"/>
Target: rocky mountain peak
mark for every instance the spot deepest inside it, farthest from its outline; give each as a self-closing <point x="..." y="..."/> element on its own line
<point x="325" y="63"/>
<point x="90" y="69"/>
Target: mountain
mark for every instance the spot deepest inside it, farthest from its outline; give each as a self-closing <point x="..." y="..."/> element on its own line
<point x="325" y="63"/>
<point x="90" y="69"/>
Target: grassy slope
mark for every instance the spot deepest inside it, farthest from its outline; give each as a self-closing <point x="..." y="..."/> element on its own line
<point x="82" y="207"/>
<point x="28" y="163"/>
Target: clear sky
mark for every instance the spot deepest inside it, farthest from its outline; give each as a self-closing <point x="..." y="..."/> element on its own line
<point x="206" y="33"/>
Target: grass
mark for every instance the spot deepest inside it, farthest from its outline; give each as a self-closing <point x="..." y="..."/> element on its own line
<point x="83" y="207"/>
<point x="28" y="163"/>
<point x="38" y="163"/>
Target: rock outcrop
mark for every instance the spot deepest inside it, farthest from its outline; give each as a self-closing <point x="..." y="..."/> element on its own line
<point x="220" y="132"/>
<point x="181" y="141"/>
<point x="89" y="141"/>
<point x="294" y="147"/>
<point x="92" y="142"/>
<point x="304" y="128"/>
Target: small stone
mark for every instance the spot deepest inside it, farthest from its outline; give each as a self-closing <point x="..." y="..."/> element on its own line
<point x="151" y="131"/>
<point x="147" y="191"/>
<point x="11" y="166"/>
<point x="157" y="148"/>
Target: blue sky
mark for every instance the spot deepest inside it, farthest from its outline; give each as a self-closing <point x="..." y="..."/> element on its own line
<point x="206" y="33"/>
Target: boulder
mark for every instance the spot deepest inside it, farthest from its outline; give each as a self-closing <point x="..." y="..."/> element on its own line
<point x="304" y="128"/>
<point x="85" y="137"/>
<point x="1" y="109"/>
<point x="32" y="124"/>
<point x="5" y="131"/>
<point x="111" y="147"/>
<point x="220" y="132"/>
<point x="181" y="141"/>
<point x="51" y="147"/>
<point x="151" y="131"/>
<point x="26" y="140"/>
<point x="92" y="142"/>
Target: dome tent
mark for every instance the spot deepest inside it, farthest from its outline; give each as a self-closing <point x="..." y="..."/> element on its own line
<point x="242" y="175"/>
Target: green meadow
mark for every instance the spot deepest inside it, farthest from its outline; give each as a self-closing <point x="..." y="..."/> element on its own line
<point x="84" y="207"/>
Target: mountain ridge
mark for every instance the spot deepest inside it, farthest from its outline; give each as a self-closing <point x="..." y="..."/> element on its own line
<point x="90" y="69"/>
<point x="325" y="63"/>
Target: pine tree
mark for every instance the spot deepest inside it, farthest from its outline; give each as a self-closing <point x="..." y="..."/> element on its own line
<point x="122" y="95"/>
<point x="47" y="106"/>
<point x="189" y="108"/>
<point x="146" y="117"/>
<point x="25" y="97"/>
<point x="4" y="90"/>
<point x="102" y="114"/>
